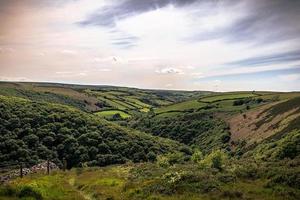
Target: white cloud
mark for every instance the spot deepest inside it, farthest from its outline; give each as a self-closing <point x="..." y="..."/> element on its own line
<point x="5" y="78"/>
<point x="105" y="70"/>
<point x="69" y="52"/>
<point x="290" y="77"/>
<point x="169" y="70"/>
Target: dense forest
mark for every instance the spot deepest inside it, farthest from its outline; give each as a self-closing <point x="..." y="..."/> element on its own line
<point x="31" y="131"/>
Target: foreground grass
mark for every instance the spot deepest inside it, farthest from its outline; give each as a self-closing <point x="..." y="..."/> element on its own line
<point x="150" y="181"/>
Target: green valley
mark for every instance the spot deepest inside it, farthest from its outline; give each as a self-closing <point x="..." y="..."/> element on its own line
<point x="126" y="143"/>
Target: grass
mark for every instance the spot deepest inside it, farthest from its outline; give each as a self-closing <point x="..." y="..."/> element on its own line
<point x="137" y="102"/>
<point x="149" y="181"/>
<point x="186" y="105"/>
<point x="111" y="113"/>
<point x="39" y="186"/>
<point x="145" y="110"/>
<point x="227" y="96"/>
<point x="168" y="114"/>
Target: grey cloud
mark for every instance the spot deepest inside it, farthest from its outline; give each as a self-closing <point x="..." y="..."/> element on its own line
<point x="106" y="16"/>
<point x="123" y="40"/>
<point x="265" y="21"/>
<point x="270" y="59"/>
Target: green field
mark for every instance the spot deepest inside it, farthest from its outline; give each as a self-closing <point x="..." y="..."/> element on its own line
<point x="225" y="96"/>
<point x="111" y="113"/>
<point x="187" y="105"/>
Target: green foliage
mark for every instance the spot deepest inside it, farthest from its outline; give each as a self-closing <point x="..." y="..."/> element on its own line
<point x="170" y="159"/>
<point x="31" y="131"/>
<point x="216" y="159"/>
<point x="286" y="147"/>
<point x="197" y="156"/>
<point x="28" y="191"/>
<point x="202" y="129"/>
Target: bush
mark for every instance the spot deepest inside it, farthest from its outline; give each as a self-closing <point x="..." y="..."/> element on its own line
<point x="215" y="159"/>
<point x="7" y="190"/>
<point x="28" y="191"/>
<point x="170" y="159"/>
<point x="197" y="156"/>
<point x="250" y="171"/>
<point x="162" y="161"/>
<point x="151" y="156"/>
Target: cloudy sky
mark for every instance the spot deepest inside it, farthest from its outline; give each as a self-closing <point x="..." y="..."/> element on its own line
<point x="171" y="44"/>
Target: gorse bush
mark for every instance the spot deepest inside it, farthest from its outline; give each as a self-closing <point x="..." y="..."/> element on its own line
<point x="216" y="159"/>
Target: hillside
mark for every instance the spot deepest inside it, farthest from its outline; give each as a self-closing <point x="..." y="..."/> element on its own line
<point x="128" y="143"/>
<point x="104" y="101"/>
<point x="31" y="131"/>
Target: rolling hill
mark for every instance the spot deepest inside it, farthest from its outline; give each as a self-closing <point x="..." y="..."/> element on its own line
<point x="129" y="143"/>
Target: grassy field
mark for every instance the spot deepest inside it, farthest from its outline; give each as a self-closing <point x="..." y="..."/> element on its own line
<point x="186" y="105"/>
<point x="111" y="113"/>
<point x="227" y="96"/>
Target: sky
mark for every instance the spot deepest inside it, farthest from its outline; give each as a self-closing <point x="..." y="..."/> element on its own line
<point x="219" y="45"/>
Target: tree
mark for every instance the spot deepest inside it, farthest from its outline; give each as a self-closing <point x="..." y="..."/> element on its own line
<point x="151" y="156"/>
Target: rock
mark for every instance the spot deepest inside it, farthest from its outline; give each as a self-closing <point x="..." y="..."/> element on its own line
<point x="26" y="171"/>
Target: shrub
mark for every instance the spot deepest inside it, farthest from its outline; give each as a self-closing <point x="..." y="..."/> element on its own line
<point x="197" y="156"/>
<point x="250" y="171"/>
<point x="162" y="161"/>
<point x="215" y="159"/>
<point x="7" y="190"/>
<point x="151" y="156"/>
<point x="170" y="159"/>
<point x="28" y="191"/>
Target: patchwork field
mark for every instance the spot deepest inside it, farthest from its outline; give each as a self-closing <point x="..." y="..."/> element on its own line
<point x="128" y="143"/>
<point x="187" y="105"/>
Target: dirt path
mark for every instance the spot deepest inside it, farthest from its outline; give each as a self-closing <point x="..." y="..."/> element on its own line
<point x="85" y="195"/>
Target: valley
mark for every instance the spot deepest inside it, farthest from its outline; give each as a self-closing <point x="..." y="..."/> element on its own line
<point x="129" y="143"/>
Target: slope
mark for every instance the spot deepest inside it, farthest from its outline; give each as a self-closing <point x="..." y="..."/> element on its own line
<point x="31" y="131"/>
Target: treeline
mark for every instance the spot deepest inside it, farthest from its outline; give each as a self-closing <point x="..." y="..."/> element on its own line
<point x="200" y="129"/>
<point x="31" y="131"/>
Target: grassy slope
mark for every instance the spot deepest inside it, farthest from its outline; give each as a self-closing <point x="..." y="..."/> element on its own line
<point x="97" y="98"/>
<point x="216" y="102"/>
<point x="268" y="121"/>
<point x="227" y="96"/>
<point x="179" y="182"/>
